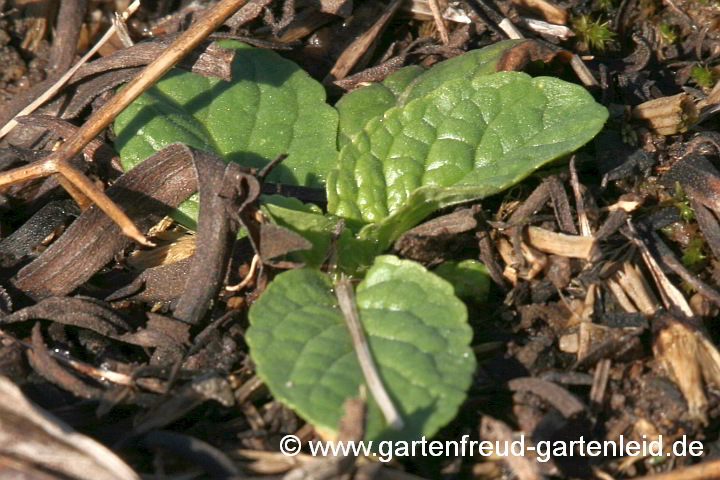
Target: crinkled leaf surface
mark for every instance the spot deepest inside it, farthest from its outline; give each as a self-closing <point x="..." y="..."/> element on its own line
<point x="270" y="107"/>
<point x="417" y="330"/>
<point x="363" y="104"/>
<point x="468" y="139"/>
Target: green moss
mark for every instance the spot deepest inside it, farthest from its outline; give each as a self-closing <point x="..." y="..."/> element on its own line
<point x="702" y="76"/>
<point x="593" y="33"/>
<point x="606" y="5"/>
<point x="668" y="33"/>
<point x="694" y="256"/>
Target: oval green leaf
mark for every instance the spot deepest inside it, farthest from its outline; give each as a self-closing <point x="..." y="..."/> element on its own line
<point x="468" y="139"/>
<point x="363" y="104"/>
<point x="270" y="107"/>
<point x="418" y="334"/>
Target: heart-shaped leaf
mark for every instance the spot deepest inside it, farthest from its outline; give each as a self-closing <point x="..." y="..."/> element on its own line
<point x="418" y="334"/>
<point x="468" y="139"/>
<point x="270" y="107"/>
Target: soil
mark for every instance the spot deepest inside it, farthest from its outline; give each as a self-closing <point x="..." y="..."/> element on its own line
<point x="629" y="336"/>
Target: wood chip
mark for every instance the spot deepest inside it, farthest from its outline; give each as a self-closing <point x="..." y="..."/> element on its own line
<point x="572" y="246"/>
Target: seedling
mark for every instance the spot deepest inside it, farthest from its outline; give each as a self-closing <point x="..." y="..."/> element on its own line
<point x="389" y="155"/>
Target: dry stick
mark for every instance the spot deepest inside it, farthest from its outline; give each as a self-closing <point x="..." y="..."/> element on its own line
<point x="439" y="21"/>
<point x="585" y="229"/>
<point x="670" y="295"/>
<point x="57" y="161"/>
<point x="352" y="54"/>
<point x="346" y="299"/>
<point x="117" y="378"/>
<point x="507" y="26"/>
<point x="64" y="79"/>
<point x="582" y="71"/>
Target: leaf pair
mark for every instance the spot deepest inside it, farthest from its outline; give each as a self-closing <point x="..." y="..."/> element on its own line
<point x="421" y="140"/>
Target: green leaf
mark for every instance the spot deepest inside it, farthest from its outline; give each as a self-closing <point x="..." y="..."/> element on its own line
<point x="418" y="334"/>
<point x="270" y="107"/>
<point x="306" y="220"/>
<point x="349" y="254"/>
<point x="468" y="139"/>
<point x="470" y="279"/>
<point x="363" y="104"/>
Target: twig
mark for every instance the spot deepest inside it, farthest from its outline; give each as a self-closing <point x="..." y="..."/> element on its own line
<point x="582" y="71"/>
<point x="507" y="26"/>
<point x="57" y="162"/>
<point x="670" y="295"/>
<point x="579" y="202"/>
<point x="439" y="21"/>
<point x="117" y="378"/>
<point x="352" y="54"/>
<point x="346" y="299"/>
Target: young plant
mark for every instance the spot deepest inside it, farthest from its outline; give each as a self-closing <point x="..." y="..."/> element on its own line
<point x="390" y="154"/>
